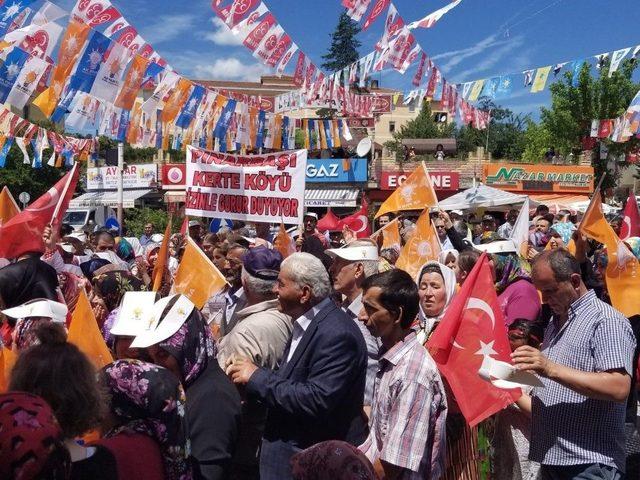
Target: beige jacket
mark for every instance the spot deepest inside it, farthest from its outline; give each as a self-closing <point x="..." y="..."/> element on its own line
<point x="260" y="335"/>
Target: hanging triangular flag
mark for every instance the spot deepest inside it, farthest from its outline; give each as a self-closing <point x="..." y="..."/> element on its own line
<point x="528" y="78"/>
<point x="616" y="59"/>
<point x="540" y="81"/>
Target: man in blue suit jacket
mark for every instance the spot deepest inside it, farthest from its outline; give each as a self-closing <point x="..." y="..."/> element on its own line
<point x="317" y="392"/>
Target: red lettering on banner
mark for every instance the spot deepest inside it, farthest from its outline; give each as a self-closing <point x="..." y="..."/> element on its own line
<point x="280" y="161"/>
<point x="216" y="179"/>
<point x="276" y="207"/>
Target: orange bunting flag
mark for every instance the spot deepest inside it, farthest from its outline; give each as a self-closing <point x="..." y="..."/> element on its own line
<point x="85" y="334"/>
<point x="284" y="243"/>
<point x="197" y="277"/>
<point x="421" y="247"/>
<point x="176" y="101"/>
<point x="416" y="193"/>
<point x="7" y="361"/>
<point x="390" y="234"/>
<point x="163" y="258"/>
<point x="72" y="44"/>
<point x="623" y="270"/>
<point x="8" y="206"/>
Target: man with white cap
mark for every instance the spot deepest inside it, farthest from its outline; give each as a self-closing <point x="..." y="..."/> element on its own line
<point x="195" y="231"/>
<point x="351" y="265"/>
<point x="309" y="222"/>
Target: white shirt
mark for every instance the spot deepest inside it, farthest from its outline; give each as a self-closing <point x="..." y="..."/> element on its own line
<point x="232" y="303"/>
<point x="302" y="323"/>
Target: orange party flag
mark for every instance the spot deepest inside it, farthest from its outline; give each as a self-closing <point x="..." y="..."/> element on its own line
<point x="7" y="361"/>
<point x="163" y="257"/>
<point x="416" y="193"/>
<point x="8" y="206"/>
<point x="176" y="101"/>
<point x="72" y="44"/>
<point x="197" y="278"/>
<point x="623" y="270"/>
<point x="421" y="247"/>
<point x="85" y="334"/>
<point x="390" y="235"/>
<point x="283" y="242"/>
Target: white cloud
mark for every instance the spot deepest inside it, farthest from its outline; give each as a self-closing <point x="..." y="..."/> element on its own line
<point x="490" y="60"/>
<point x="231" y="69"/>
<point x="168" y="27"/>
<point x="457" y="56"/>
<point x="221" y="34"/>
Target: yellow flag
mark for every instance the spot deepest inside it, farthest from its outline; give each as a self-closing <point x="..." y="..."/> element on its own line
<point x="197" y="278"/>
<point x="323" y="136"/>
<point x="421" y="247"/>
<point x="623" y="270"/>
<point x="163" y="257"/>
<point x="277" y="132"/>
<point x="390" y="235"/>
<point x="416" y="193"/>
<point x="8" y="206"/>
<point x="85" y="334"/>
<point x="72" y="44"/>
<point x="540" y="79"/>
<point x="335" y="132"/>
<point x="7" y="361"/>
<point x="476" y="90"/>
<point x="305" y="132"/>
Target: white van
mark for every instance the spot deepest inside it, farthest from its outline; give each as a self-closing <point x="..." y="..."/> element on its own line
<point x="86" y="218"/>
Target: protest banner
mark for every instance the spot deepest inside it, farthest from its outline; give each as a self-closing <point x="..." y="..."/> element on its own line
<point x="255" y="188"/>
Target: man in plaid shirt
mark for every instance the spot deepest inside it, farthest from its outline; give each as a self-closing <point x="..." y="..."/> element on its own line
<point x="407" y="425"/>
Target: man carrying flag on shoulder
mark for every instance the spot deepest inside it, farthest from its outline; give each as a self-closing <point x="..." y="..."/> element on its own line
<point x="585" y="365"/>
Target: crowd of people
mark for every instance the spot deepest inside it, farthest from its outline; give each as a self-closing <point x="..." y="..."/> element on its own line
<point x="313" y="364"/>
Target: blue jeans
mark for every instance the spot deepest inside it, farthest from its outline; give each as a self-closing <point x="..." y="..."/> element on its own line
<point x="588" y="471"/>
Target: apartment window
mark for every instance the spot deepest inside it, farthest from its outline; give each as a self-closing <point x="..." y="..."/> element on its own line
<point x="392" y="127"/>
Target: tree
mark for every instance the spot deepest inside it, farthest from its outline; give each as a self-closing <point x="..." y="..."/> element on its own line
<point x="568" y="121"/>
<point x="344" y="45"/>
<point x="537" y="140"/>
<point x="423" y="126"/>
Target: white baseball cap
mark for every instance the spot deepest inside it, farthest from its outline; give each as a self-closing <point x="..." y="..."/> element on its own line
<point x="157" y="238"/>
<point x="81" y="236"/>
<point x="501" y="246"/>
<point x="164" y="327"/>
<point x="136" y="314"/>
<point x="40" y="307"/>
<point x="311" y="214"/>
<point x="355" y="253"/>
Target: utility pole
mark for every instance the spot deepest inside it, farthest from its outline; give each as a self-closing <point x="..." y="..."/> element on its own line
<point x="120" y="191"/>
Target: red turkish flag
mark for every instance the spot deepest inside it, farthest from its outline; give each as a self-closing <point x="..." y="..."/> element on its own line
<point x="184" y="229"/>
<point x="631" y="220"/>
<point x="23" y="233"/>
<point x="473" y="328"/>
<point x="359" y="222"/>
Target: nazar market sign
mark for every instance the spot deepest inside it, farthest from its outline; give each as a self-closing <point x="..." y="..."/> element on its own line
<point x="555" y="178"/>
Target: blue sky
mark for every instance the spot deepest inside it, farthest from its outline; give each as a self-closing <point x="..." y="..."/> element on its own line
<point x="478" y="39"/>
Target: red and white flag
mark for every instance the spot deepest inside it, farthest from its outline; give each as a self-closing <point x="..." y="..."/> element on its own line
<point x="284" y="61"/>
<point x="356" y="8"/>
<point x="282" y="47"/>
<point x="255" y="36"/>
<point x="417" y="79"/>
<point x="239" y="10"/>
<point x="359" y="222"/>
<point x="23" y="233"/>
<point x="375" y="12"/>
<point x="473" y="329"/>
<point x="298" y="74"/>
<point x="269" y="43"/>
<point x="410" y="57"/>
<point x="392" y="25"/>
<point x="95" y="12"/>
<point x="631" y="221"/>
<point x="431" y="19"/>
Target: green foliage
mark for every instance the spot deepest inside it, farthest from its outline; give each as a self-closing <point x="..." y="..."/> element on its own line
<point x="136" y="218"/>
<point x="344" y="45"/>
<point x="594" y="98"/>
<point x="19" y="177"/>
<point x="537" y="140"/>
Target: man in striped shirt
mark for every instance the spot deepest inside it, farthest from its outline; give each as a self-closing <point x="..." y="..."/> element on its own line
<point x="578" y="417"/>
<point x="407" y="424"/>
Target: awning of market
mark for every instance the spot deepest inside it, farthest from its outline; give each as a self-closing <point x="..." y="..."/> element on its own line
<point x="108" y="199"/>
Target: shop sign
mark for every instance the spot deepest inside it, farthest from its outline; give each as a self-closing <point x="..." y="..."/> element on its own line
<point x="333" y="170"/>
<point x="539" y="177"/>
<point x="440" y="180"/>
<point x="133" y="176"/>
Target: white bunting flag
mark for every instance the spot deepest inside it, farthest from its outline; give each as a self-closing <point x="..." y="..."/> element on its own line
<point x="268" y="43"/>
<point x="109" y="78"/>
<point x="27" y="81"/>
<point x="83" y="112"/>
<point x="165" y="86"/>
<point x="617" y="58"/>
<point x="23" y="149"/>
<point x="431" y="19"/>
<point x="365" y="68"/>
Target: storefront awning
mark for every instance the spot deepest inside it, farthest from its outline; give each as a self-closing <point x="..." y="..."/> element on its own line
<point x="331" y="197"/>
<point x="107" y="199"/>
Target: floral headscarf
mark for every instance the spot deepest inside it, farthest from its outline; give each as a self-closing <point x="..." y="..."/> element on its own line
<point x="426" y="324"/>
<point x="565" y="230"/>
<point x="70" y="285"/>
<point x="149" y="399"/>
<point x="509" y="269"/>
<point x="111" y="286"/>
<point x="332" y="460"/>
<point x="192" y="346"/>
<point x="24" y="333"/>
<point x="31" y="441"/>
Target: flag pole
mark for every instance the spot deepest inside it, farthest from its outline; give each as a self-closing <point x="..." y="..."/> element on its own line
<point x="120" y="189"/>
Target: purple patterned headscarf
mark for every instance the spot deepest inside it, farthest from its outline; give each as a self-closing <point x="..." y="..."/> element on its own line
<point x="149" y="399"/>
<point x="192" y="346"/>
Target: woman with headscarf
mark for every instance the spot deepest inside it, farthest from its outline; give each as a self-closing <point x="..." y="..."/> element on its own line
<point x="436" y="289"/>
<point x="332" y="460"/>
<point x="213" y="403"/>
<point x="145" y="428"/>
<point x="449" y="258"/>
<point x="31" y="440"/>
<point x="110" y="283"/>
<point x="517" y="296"/>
